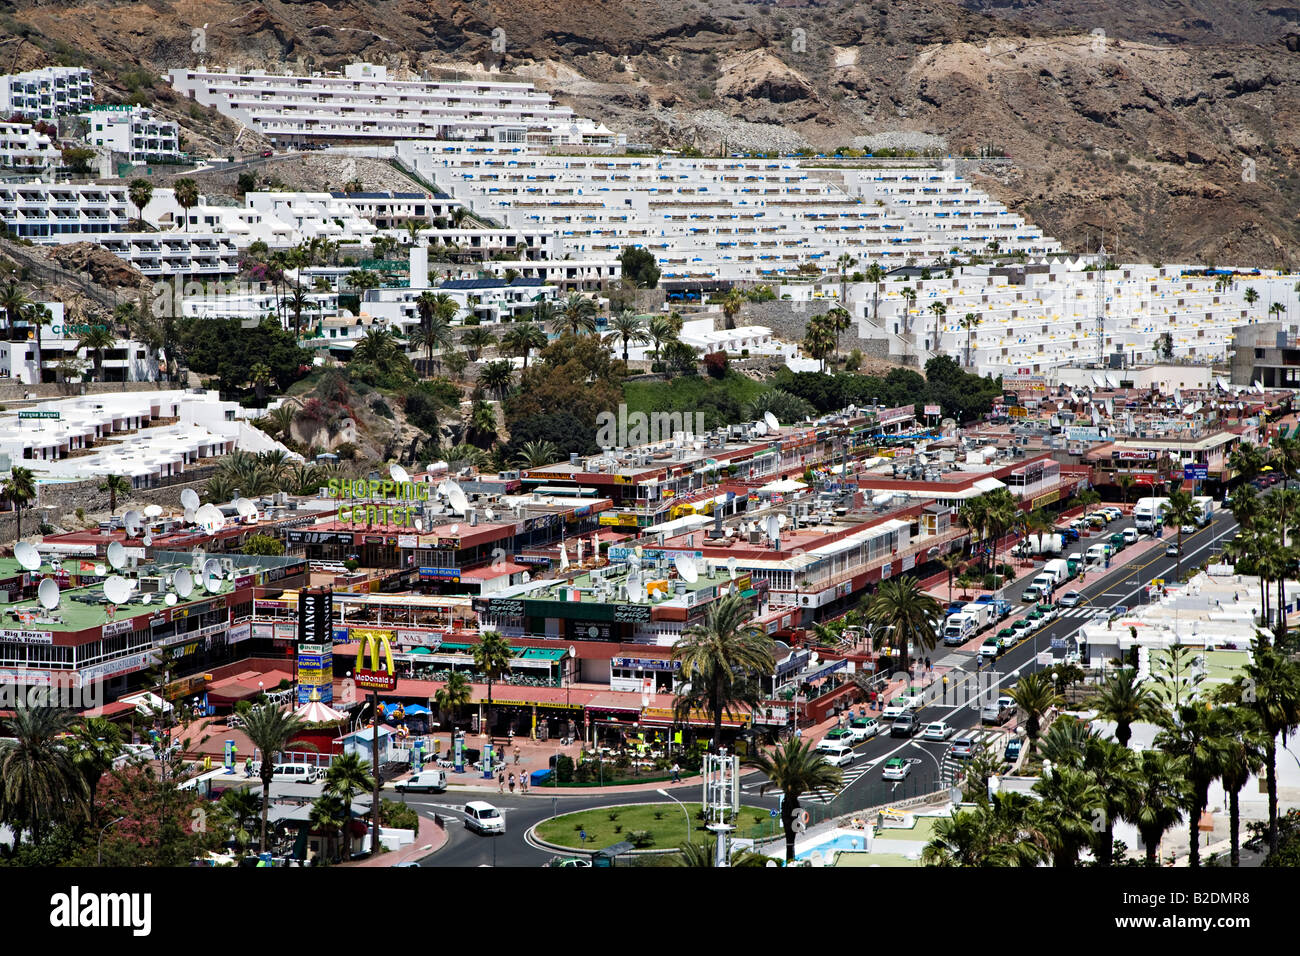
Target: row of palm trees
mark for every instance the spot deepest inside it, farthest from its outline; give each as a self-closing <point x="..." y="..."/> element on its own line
<point x="1267" y="544"/>
<point x="992" y="515"/>
<point x="265" y="473"/>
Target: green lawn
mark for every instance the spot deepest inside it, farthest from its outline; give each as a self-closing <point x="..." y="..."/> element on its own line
<point x="725" y="397"/>
<point x="874" y="859"/>
<point x="669" y="830"/>
<point x="923" y="831"/>
<point x="1223" y="666"/>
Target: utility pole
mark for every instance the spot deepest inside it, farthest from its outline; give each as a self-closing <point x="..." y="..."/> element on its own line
<point x="374" y="760"/>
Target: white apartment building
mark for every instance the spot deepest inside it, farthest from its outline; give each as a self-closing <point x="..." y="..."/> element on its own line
<point x="168" y="254"/>
<point x="309" y="215"/>
<point x="493" y="301"/>
<point x="22" y="148"/>
<point x="363" y="105"/>
<point x="135" y="132"/>
<point x="47" y="93"/>
<point x="125" y="361"/>
<point x="392" y="210"/>
<point x="722" y="218"/>
<point x="64" y="212"/>
<point x="1031" y="321"/>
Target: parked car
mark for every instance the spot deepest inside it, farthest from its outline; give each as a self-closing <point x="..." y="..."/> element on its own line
<point x="863" y="728"/>
<point x="267" y="152"/>
<point x="1071" y="599"/>
<point x="426" y="781"/>
<point x="839" y="735"/>
<point x="937" y="730"/>
<point x="904" y="726"/>
<point x="1130" y="535"/>
<point x="1046" y="613"/>
<point x="1012" y="753"/>
<point x="896" y="768"/>
<point x="1031" y="594"/>
<point x="1113" y="512"/>
<point x="1023" y="626"/>
<point x="990" y="648"/>
<point x="484" y="817"/>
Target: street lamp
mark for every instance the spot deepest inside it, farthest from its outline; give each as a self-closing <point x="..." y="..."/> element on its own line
<point x="99" y="843"/>
<point x="664" y="793"/>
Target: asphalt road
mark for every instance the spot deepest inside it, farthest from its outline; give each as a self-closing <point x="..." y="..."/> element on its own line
<point x="1122" y="584"/>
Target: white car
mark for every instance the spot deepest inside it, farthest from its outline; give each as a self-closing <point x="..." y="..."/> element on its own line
<point x="1113" y="512"/>
<point x="863" y="728"/>
<point x="484" y="817"/>
<point x="836" y="753"/>
<point x="896" y="768"/>
<point x="937" y="730"/>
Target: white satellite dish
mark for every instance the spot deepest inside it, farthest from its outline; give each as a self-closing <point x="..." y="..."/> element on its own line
<point x="116" y="555"/>
<point x="731" y="567"/>
<point x="526" y="577"/>
<point x="730" y="532"/>
<point x="760" y="428"/>
<point x="189" y="515"/>
<point x="212" y="575"/>
<point x="453" y="530"/>
<point x="146" y="598"/>
<point x="490" y="514"/>
<point x="171" y="600"/>
<point x="56" y="564"/>
<point x="117" y="589"/>
<point x="773" y="526"/>
<point x="100" y="571"/>
<point x="183" y="582"/>
<point x="771" y="421"/>
<point x="27" y="556"/>
<point x="153" y="511"/>
<point x="419" y="523"/>
<point x="686" y="568"/>
<point x="459" y="503"/>
<point x="245" y="508"/>
<point x="131" y="522"/>
<point x="398" y="473"/>
<point x="781" y="521"/>
<point x="147" y="541"/>
<point x="190" y="499"/>
<point x="48" y="594"/>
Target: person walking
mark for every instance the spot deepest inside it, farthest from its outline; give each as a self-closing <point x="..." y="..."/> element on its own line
<point x="677" y="774"/>
<point x="501" y="781"/>
<point x="512" y="783"/>
<point x="248" y="766"/>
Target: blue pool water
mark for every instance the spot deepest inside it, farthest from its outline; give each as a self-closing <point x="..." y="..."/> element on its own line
<point x="844" y="841"/>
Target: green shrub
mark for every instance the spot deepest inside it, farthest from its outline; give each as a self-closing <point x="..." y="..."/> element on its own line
<point x="990" y="582"/>
<point x="640" y="838"/>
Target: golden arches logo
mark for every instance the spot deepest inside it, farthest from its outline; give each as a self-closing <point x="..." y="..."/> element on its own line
<point x="378" y="642"/>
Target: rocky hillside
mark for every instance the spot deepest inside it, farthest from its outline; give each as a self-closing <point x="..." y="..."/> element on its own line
<point x="1169" y="126"/>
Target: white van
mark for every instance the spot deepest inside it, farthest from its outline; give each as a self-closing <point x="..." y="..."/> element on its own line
<point x="295" y="772"/>
<point x="836" y="752"/>
<point x="426" y="781"/>
<point x="484" y="817"/>
<point x="1097" y="554"/>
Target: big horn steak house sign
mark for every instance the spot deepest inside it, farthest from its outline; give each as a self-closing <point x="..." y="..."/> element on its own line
<point x="378" y="495"/>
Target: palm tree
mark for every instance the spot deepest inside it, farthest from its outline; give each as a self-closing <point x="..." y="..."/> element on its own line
<point x="187" y="197"/>
<point x="837" y="320"/>
<point x="627" y="327"/>
<point x="844" y="263"/>
<point x="270" y="729"/>
<point x="720" y="659"/>
<point x="13" y="300"/>
<point x="39" y="780"/>
<point x="1114" y="771"/>
<point x="260" y="376"/>
<point x="37" y="316"/>
<point x="20" y="489"/>
<point x="98" y="744"/>
<point x="97" y="339"/>
<point x="819" y="340"/>
<point x="1244" y="753"/>
<point x="413" y="227"/>
<point x="1065" y="742"/>
<point x="1035" y="695"/>
<point x="875" y="274"/>
<point x="538" y="454"/>
<point x="476" y="339"/>
<point x="239" y="809"/>
<point x="577" y="315"/>
<point x="298" y="301"/>
<point x="732" y="303"/>
<point x="362" y="279"/>
<point x="1270" y="686"/>
<point x="1002" y="512"/>
<point x="951" y="563"/>
<point x="522" y="338"/>
<point x="939" y="310"/>
<point x="1125" y="482"/>
<point x="703" y="855"/>
<point x="346" y="778"/>
<point x="1247" y="461"/>
<point x="1157" y="803"/>
<point x="909" y="303"/>
<point x="492" y="656"/>
<point x="1250" y="295"/>
<point x="794" y="768"/>
<point x="659" y="331"/>
<point x="997" y="832"/>
<point x="1069" y="806"/>
<point x="377" y="346"/>
<point x="139" y="191"/>
<point x="900" y="604"/>
<point x="329" y="815"/>
<point x="1126" y="700"/>
<point x="969" y="322"/>
<point x="450" y="698"/>
<point x="496" y="376"/>
<point x="975" y="515"/>
<point x="1276" y="309"/>
<point x="481" y="426"/>
<point x="1197" y="735"/>
<point x="1182" y="510"/>
<point x="115" y="485"/>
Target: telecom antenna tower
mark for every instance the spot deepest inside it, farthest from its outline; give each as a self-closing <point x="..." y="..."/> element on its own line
<point x="721" y="797"/>
<point x="1100" y="306"/>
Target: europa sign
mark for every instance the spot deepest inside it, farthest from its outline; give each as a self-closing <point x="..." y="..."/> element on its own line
<point x="374" y="490"/>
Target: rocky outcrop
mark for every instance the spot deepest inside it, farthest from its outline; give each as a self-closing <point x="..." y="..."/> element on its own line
<point x="101" y="265"/>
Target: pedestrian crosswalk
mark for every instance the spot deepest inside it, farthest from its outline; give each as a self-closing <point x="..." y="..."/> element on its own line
<point x="848" y="777"/>
<point x="1084" y="610"/>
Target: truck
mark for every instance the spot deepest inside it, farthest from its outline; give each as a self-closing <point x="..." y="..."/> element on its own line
<point x="959" y="629"/>
<point x="1146" y="512"/>
<point x="1040" y="544"/>
<point x="1059" y="569"/>
<point x="1206" y="506"/>
<point x="982" y="612"/>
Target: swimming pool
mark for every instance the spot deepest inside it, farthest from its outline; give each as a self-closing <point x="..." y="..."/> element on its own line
<point x="844" y="841"/>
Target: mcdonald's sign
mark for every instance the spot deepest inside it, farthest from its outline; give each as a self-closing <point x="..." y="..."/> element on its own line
<point x="373" y="678"/>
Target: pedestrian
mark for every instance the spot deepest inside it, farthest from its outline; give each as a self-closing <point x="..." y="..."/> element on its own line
<point x="523" y="783"/>
<point x="677" y="773"/>
<point x="928" y="665"/>
<point x="512" y="783"/>
<point x="516" y="756"/>
<point x="248" y="767"/>
<point x="501" y="782"/>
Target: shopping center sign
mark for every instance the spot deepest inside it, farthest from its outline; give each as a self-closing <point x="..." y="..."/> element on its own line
<point x="384" y="501"/>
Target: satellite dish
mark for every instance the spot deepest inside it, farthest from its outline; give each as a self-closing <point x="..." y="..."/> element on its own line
<point x="48" y="594"/>
<point x="153" y="511"/>
<point x="686" y="569"/>
<point x="419" y="523"/>
<point x="99" y="571"/>
<point x="116" y="555"/>
<point x="773" y="526"/>
<point x="781" y="521"/>
<point x="146" y="598"/>
<point x="148" y="541"/>
<point x="117" y="589"/>
<point x="245" y="508"/>
<point x="131" y="522"/>
<point x="27" y="556"/>
<point x="189" y="516"/>
<point x="760" y="428"/>
<point x="459" y="503"/>
<point x="398" y="473"/>
<point x="190" y="499"/>
<point x="731" y="567"/>
<point x="56" y="564"/>
<point x="183" y="582"/>
<point x="771" y="421"/>
<point x="490" y="514"/>
<point x="171" y="600"/>
<point x="527" y="577"/>
<point x="211" y="575"/>
<point x="453" y="530"/>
